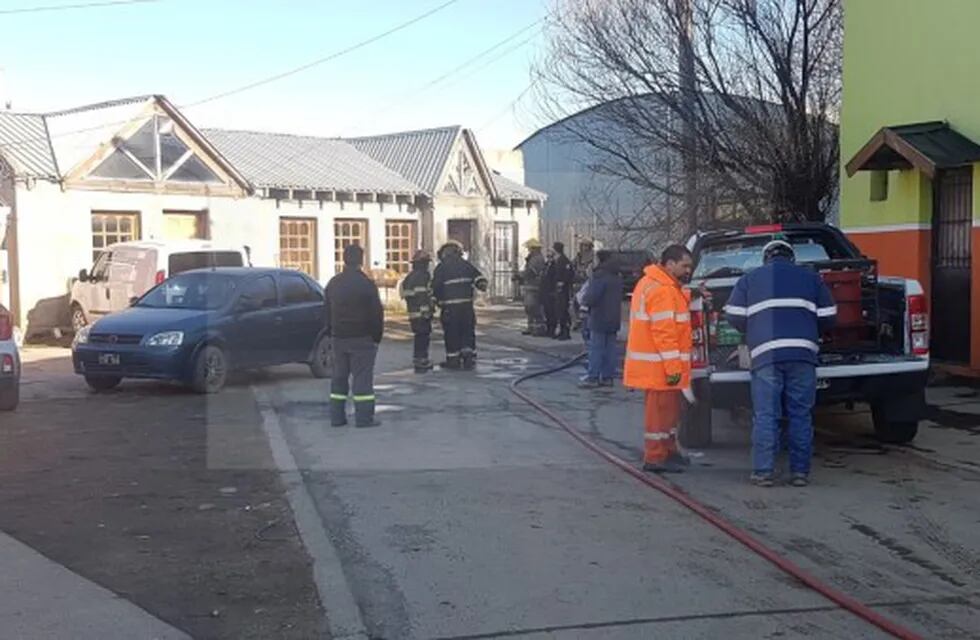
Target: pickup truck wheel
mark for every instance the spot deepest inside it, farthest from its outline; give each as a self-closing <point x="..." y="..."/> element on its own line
<point x="103" y="383"/>
<point x="10" y="398"/>
<point x="893" y="431"/>
<point x="321" y="361"/>
<point x="695" y="431"/>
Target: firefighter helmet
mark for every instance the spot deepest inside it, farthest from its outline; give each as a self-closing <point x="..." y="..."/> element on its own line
<point x="533" y="243"/>
<point x="421" y="256"/>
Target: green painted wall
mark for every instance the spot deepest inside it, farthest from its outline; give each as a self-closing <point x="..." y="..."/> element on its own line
<point x="905" y="61"/>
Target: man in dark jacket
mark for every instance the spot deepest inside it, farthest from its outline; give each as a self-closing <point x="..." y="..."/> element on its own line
<point x="530" y="279"/>
<point x="453" y="284"/>
<point x="564" y="277"/>
<point x="782" y="309"/>
<point x="603" y="297"/>
<point x="416" y="292"/>
<point x="355" y="321"/>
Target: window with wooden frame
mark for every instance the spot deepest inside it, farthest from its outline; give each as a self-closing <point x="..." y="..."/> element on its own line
<point x="297" y="245"/>
<point x="346" y="233"/>
<point x="110" y="227"/>
<point x="399" y="244"/>
<point x="154" y="153"/>
<point x="185" y="225"/>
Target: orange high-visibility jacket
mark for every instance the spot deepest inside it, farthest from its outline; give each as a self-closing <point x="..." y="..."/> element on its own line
<point x="659" y="341"/>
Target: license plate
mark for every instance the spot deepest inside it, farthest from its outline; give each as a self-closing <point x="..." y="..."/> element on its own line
<point x="823" y="383"/>
<point x="109" y="359"/>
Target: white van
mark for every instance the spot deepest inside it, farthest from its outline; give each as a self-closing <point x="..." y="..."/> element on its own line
<point x="127" y="270"/>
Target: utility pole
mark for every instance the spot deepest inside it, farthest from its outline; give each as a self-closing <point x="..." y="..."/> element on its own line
<point x="688" y="87"/>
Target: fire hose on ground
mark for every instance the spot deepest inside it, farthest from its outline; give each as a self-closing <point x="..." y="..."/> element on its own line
<point x="655" y="482"/>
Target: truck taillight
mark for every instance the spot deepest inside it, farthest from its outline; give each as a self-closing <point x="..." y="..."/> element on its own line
<point x="161" y="276"/>
<point x="699" y="339"/>
<point x="7" y="364"/>
<point x="918" y="324"/>
<point x="6" y="326"/>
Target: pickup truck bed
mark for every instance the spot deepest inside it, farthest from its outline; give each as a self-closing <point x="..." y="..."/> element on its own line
<point x="876" y="355"/>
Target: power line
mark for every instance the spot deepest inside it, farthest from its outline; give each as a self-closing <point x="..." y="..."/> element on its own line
<point x="251" y="85"/>
<point x="319" y="61"/>
<point x="510" y="105"/>
<point x="402" y="96"/>
<point x="68" y="7"/>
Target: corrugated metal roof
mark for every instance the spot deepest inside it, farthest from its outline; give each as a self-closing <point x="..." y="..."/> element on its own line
<point x="305" y="162"/>
<point x="24" y="143"/>
<point x="508" y="189"/>
<point x="420" y="156"/>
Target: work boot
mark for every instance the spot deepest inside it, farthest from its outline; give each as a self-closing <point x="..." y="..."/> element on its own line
<point x="607" y="382"/>
<point x="452" y="363"/>
<point x="338" y="410"/>
<point x="469" y="361"/>
<point x="564" y="335"/>
<point x="762" y="479"/>
<point x="364" y="414"/>
<point x="422" y="365"/>
<point x="679" y="458"/>
<point x="667" y="466"/>
<point x="799" y="480"/>
<point x="588" y="383"/>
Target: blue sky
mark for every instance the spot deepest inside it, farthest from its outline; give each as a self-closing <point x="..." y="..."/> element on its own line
<point x="191" y="49"/>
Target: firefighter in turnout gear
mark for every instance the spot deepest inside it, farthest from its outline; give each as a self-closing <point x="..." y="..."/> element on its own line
<point x="417" y="293"/>
<point x="355" y="322"/>
<point x="453" y="284"/>
<point x="530" y="279"/>
<point x="564" y="276"/>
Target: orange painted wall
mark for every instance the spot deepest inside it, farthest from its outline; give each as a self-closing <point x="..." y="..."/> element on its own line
<point x="899" y="253"/>
<point x="975" y="303"/>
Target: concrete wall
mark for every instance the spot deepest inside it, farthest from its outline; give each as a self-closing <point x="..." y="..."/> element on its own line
<point x="55" y="232"/>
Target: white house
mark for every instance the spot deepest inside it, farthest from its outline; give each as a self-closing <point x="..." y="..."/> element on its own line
<point x="75" y="181"/>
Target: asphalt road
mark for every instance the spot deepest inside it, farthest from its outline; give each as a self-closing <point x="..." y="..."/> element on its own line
<point x="466" y="514"/>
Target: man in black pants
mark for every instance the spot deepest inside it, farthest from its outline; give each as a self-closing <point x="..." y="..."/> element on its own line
<point x="417" y="294"/>
<point x="453" y="284"/>
<point x="355" y="321"/>
<point x="564" y="277"/>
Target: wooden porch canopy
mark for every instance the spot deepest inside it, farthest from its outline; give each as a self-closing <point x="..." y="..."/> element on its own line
<point x="926" y="146"/>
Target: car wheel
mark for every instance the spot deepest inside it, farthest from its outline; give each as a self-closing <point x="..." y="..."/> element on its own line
<point x="893" y="431"/>
<point x="321" y="363"/>
<point x="10" y="398"/>
<point x="210" y="370"/>
<point x="695" y="429"/>
<point x="78" y="318"/>
<point x="103" y="383"/>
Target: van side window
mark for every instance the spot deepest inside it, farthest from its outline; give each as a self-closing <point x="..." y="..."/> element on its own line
<point x="100" y="266"/>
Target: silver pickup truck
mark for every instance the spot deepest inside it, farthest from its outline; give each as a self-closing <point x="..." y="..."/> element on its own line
<point x="9" y="363"/>
<point x="878" y="353"/>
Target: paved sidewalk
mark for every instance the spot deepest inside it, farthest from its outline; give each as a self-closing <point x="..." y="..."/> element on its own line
<point x="41" y="600"/>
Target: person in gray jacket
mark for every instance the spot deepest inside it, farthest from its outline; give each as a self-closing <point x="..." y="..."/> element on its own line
<point x="355" y="322"/>
<point x="530" y="279"/>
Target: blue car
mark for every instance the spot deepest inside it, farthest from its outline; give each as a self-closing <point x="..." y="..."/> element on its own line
<point x="199" y="326"/>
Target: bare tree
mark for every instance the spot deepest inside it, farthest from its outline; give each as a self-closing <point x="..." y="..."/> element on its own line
<point x="726" y="108"/>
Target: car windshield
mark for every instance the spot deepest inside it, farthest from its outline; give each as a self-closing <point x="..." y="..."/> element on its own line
<point x="742" y="255"/>
<point x="191" y="291"/>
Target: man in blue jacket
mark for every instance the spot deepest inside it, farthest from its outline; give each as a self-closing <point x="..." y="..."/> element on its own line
<point x="603" y="297"/>
<point x="782" y="308"/>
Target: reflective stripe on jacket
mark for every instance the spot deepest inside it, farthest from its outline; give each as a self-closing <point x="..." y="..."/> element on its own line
<point x="659" y="343"/>
<point x="414" y="289"/>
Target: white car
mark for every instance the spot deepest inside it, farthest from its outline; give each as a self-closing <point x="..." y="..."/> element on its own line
<point x="127" y="270"/>
<point x="9" y="363"/>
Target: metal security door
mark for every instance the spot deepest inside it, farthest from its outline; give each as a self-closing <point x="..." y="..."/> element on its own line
<point x="951" y="258"/>
<point x="504" y="260"/>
